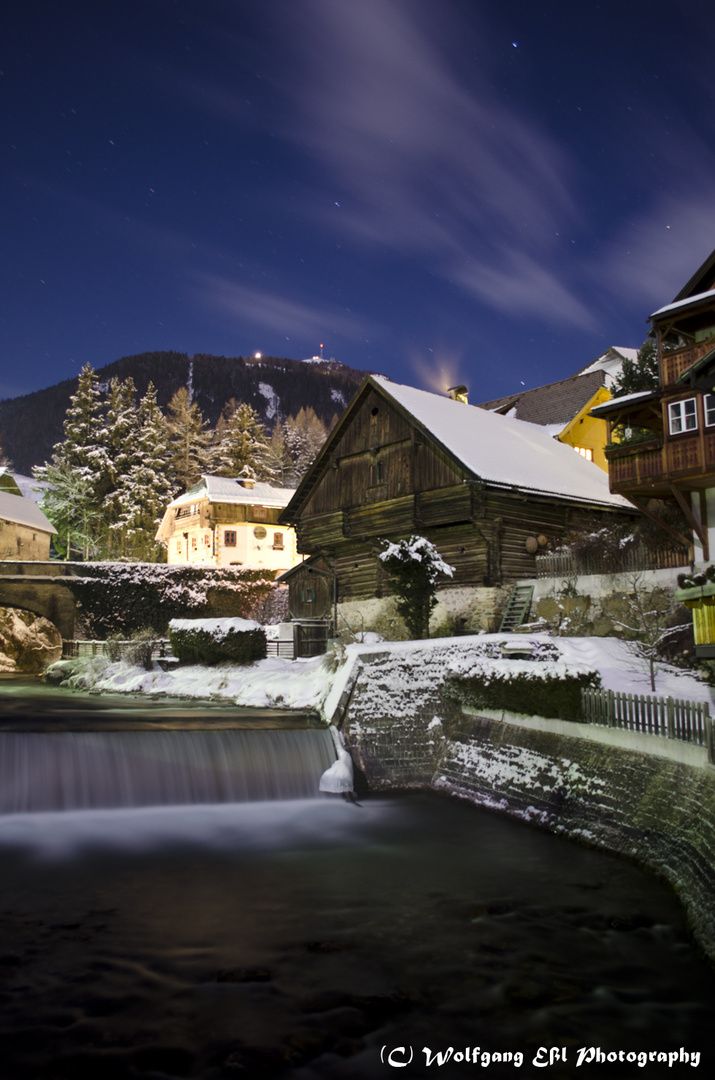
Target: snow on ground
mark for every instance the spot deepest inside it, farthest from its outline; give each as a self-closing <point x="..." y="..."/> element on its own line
<point x="317" y="682"/>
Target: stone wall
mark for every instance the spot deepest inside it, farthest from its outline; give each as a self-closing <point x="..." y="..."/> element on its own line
<point x="633" y="795"/>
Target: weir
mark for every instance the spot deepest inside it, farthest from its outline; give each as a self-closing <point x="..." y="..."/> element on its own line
<point x="103" y="770"/>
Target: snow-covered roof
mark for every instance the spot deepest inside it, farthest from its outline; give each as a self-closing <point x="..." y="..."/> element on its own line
<point x="22" y="511"/>
<point x="554" y="405"/>
<point x="687" y="302"/>
<point x="226" y="490"/>
<point x="505" y="452"/>
<point x="610" y="362"/>
<point x="627" y="399"/>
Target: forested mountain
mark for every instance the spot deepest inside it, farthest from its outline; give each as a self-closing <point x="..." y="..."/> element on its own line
<point x="275" y="387"/>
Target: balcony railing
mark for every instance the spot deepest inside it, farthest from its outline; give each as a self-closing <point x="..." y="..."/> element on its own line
<point x="646" y="465"/>
<point x="674" y="363"/>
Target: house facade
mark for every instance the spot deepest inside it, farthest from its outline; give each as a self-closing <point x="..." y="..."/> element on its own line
<point x="674" y="460"/>
<point x="487" y="490"/>
<point x="25" y="532"/>
<point x="564" y="407"/>
<point x="225" y="522"/>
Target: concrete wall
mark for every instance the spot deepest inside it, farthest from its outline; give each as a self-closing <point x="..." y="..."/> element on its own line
<point x="634" y="795"/>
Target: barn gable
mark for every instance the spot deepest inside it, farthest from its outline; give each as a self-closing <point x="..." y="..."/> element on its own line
<point x="403" y="461"/>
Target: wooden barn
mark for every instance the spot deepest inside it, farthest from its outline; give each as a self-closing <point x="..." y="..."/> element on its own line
<point x="486" y="489"/>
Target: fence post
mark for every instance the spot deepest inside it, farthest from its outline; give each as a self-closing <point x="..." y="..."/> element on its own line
<point x="670" y="706"/>
<point x="610" y="705"/>
<point x="709" y="736"/>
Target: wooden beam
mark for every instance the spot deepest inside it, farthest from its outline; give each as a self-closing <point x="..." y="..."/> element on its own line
<point x="695" y="525"/>
<point x="659" y="521"/>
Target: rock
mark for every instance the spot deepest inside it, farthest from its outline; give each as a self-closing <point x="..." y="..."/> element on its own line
<point x="28" y="642"/>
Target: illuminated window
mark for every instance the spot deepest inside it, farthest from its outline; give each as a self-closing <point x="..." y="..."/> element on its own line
<point x="229" y="538"/>
<point x="584" y="451"/>
<point x="682" y="416"/>
<point x="278" y="541"/>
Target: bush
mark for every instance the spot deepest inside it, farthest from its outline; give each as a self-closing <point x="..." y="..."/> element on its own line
<point x="555" y="693"/>
<point x="123" y="598"/>
<point x="217" y="641"/>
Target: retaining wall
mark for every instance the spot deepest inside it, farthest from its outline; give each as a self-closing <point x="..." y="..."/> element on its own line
<point x="635" y="795"/>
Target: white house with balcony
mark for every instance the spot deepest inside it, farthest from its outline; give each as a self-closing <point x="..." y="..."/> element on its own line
<point x="226" y="522"/>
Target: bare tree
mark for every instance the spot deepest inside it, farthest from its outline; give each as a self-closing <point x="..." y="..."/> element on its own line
<point x="648" y="620"/>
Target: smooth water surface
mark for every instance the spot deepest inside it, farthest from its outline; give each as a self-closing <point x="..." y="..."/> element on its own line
<point x="308" y="939"/>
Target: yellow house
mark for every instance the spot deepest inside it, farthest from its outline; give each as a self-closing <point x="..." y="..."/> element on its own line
<point x="563" y="407"/>
<point x="225" y="522"/>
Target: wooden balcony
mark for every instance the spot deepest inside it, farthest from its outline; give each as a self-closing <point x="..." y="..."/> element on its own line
<point x="649" y="468"/>
<point x="674" y="363"/>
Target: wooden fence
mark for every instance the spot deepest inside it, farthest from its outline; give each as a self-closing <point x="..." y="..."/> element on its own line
<point x="669" y="718"/>
<point x="71" y="649"/>
<point x="632" y="559"/>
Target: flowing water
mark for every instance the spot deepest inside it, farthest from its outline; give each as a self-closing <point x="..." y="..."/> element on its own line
<point x="309" y="938"/>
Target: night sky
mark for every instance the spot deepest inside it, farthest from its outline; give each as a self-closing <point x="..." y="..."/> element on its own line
<point x="487" y="191"/>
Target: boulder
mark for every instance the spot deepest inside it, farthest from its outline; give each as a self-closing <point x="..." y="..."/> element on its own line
<point x="28" y="642"/>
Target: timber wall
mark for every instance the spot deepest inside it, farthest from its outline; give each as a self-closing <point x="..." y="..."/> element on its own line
<point x="630" y="795"/>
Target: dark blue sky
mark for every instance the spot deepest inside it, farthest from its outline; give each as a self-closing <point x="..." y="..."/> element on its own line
<point x="489" y="191"/>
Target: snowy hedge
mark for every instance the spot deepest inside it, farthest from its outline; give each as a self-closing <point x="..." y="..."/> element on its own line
<point x="548" y="689"/>
<point x="217" y="641"/>
<point x="122" y="598"/>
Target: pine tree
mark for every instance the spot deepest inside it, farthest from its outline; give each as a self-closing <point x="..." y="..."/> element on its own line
<point x="243" y="446"/>
<point x="84" y="445"/>
<point x="635" y="377"/>
<point x="189" y="439"/>
<point x="79" y="467"/>
<point x="121" y="433"/>
<point x="640" y="374"/>
<point x="304" y="436"/>
<point x="70" y="505"/>
<point x="145" y="488"/>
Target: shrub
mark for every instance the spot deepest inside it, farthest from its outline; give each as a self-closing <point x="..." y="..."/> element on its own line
<point x="123" y="598"/>
<point x="217" y="641"/>
<point x="414" y="566"/>
<point x="553" y="693"/>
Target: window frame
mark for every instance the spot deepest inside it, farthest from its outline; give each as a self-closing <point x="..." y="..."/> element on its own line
<point x="709" y="410"/>
<point x="230" y="538"/>
<point x="678" y="414"/>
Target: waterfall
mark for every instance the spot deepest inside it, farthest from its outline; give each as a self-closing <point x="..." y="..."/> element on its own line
<point x="84" y="770"/>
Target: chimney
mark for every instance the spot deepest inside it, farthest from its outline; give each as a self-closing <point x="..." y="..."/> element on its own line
<point x="246" y="481"/>
<point x="458" y="393"/>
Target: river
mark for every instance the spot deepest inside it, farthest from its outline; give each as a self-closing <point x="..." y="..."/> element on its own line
<point x="311" y="938"/>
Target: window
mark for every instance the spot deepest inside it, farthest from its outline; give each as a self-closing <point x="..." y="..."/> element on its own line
<point x="307" y="596"/>
<point x="229" y="538"/>
<point x="682" y="416"/>
<point x="377" y="474"/>
<point x="260" y="512"/>
<point x="207" y="540"/>
<point x="709" y="403"/>
<point x="584" y="451"/>
<point x="277" y="541"/>
<point x="193" y="543"/>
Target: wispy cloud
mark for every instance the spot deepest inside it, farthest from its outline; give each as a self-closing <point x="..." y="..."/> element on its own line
<point x="277" y="313"/>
